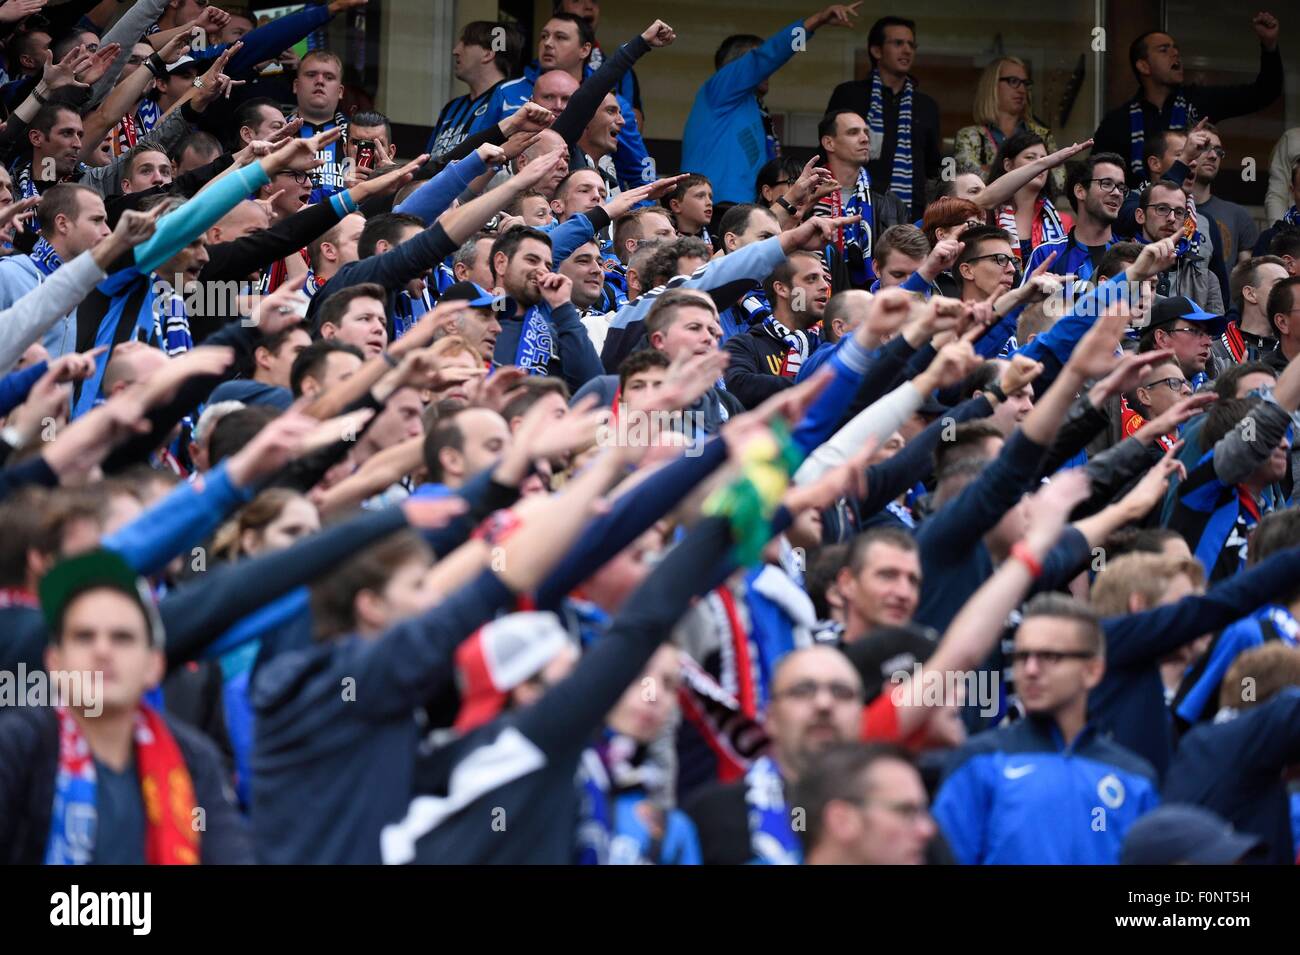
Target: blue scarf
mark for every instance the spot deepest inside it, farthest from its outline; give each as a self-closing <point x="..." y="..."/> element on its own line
<point x="900" y="176"/>
<point x="799" y="344"/>
<point x="161" y="320"/>
<point x="328" y="178"/>
<point x="408" y="311"/>
<point x="536" y="344"/>
<point x="1183" y="116"/>
<point x="148" y="115"/>
<point x="853" y="242"/>
<point x="1291" y="216"/>
<point x="770" y="834"/>
<point x="45" y="258"/>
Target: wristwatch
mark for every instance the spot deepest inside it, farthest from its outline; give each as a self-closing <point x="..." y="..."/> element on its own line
<point x="785" y="204"/>
<point x="198" y="83"/>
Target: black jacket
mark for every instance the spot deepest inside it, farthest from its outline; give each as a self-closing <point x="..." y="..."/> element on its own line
<point x="1217" y="103"/>
<point x="29" y="761"/>
<point x="754" y="373"/>
<point x="855" y="95"/>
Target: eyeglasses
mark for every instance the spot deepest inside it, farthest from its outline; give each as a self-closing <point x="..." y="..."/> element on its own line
<point x="1001" y="259"/>
<point x="1217" y="151"/>
<point x="808" y="689"/>
<point x="908" y="811"/>
<point x="1016" y="82"/>
<point x="1191" y="331"/>
<point x="1110" y="185"/>
<point x="1048" y="657"/>
<point x="301" y="178"/>
<point x="1162" y="209"/>
<point x="1174" y="384"/>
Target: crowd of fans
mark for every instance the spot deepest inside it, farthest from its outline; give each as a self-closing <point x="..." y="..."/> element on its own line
<point x="519" y="503"/>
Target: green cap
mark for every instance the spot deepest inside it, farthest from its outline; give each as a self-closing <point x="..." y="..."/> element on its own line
<point x="97" y="569"/>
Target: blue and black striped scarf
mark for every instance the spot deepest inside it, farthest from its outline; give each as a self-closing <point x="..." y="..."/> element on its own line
<point x="900" y="177"/>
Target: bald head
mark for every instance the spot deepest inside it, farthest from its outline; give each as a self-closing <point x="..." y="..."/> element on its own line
<point x="816" y="701"/>
<point x="131" y="361"/>
<point x="553" y="90"/>
<point x="845" y="311"/>
<point x="244" y="219"/>
<point x="547" y="141"/>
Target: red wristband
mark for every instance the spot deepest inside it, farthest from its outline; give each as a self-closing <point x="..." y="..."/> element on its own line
<point x="1021" y="552"/>
<point x="498" y="527"/>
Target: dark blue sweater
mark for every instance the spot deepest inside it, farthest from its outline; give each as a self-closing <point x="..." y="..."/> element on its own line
<point x="954" y="560"/>
<point x="337" y="735"/>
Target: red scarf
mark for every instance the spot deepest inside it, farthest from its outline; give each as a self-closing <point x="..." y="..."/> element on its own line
<point x="280" y="271"/>
<point x="1131" y="422"/>
<point x="165" y="784"/>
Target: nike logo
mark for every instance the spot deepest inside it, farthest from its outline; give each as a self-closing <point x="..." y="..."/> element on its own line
<point x="1015" y="772"/>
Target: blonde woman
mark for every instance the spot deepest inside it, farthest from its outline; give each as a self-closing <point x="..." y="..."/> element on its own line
<point x="1002" y="109"/>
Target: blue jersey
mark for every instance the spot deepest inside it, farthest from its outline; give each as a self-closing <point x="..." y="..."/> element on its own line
<point x="463" y="117"/>
<point x="328" y="179"/>
<point x="1199" y="700"/>
<point x="1071" y="257"/>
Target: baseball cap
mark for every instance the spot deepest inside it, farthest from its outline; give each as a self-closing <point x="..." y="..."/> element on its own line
<point x="499" y="657"/>
<point x="1166" y="311"/>
<point x="1182" y="833"/>
<point x="474" y="295"/>
<point x="183" y="61"/>
<point x="885" y="651"/>
<point x="97" y="569"/>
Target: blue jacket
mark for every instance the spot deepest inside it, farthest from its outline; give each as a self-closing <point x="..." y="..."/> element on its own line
<point x="1020" y="796"/>
<point x="725" y="137"/>
<point x="1235" y="768"/>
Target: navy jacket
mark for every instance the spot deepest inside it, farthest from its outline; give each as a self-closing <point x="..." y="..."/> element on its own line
<point x="337" y="734"/>
<point x="576" y="362"/>
<point x="954" y="560"/>
<point x="1019" y="796"/>
<point x="1235" y="768"/>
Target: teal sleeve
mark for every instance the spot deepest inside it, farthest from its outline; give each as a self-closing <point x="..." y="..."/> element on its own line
<point x="179" y="228"/>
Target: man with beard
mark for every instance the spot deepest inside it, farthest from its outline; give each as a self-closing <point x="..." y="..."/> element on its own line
<point x="816" y="702"/>
<point x="1097" y="188"/>
<point x="767" y="358"/>
<point x="1161" y="212"/>
<point x="541" y="330"/>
